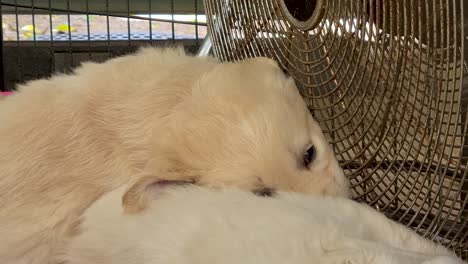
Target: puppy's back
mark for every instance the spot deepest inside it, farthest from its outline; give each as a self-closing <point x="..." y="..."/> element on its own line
<point x="66" y="140"/>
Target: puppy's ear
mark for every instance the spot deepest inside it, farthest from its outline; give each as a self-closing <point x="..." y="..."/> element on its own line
<point x="146" y="188"/>
<point x="135" y="198"/>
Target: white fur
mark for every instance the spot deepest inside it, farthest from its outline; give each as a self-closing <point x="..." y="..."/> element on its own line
<point x="195" y="225"/>
<point x="67" y="140"/>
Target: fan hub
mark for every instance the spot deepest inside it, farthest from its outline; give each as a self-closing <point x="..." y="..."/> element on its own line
<point x="303" y="14"/>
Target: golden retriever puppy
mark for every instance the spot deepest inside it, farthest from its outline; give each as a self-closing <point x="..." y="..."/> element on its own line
<point x="197" y="225"/>
<point x="69" y="139"/>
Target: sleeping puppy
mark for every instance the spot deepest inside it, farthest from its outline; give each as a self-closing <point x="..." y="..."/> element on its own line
<point x="67" y="140"/>
<point x="190" y="225"/>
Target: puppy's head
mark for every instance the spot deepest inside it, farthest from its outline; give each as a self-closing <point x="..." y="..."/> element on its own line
<point x="246" y="125"/>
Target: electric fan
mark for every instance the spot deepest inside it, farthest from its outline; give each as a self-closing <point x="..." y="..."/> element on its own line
<point x="388" y="81"/>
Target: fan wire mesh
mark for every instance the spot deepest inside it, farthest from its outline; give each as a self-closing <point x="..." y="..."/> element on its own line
<point x="385" y="80"/>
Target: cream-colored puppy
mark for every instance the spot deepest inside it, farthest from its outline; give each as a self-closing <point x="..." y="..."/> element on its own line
<point x="69" y="139"/>
<point x="196" y="225"/>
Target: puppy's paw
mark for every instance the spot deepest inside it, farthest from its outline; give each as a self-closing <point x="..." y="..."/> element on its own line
<point x="135" y="199"/>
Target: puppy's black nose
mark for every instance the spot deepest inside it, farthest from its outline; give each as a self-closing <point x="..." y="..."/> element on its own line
<point x="264" y="192"/>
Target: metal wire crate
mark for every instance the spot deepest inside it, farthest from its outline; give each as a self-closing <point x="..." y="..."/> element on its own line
<point x="40" y="37"/>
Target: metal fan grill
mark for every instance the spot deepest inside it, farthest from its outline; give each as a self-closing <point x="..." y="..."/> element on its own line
<point x="387" y="80"/>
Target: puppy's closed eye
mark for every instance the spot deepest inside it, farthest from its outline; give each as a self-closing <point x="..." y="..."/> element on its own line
<point x="264" y="192"/>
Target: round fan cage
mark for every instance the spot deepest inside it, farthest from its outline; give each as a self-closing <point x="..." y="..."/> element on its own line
<point x="388" y="82"/>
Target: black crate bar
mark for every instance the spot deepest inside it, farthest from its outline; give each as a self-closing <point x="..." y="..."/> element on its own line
<point x="2" y="70"/>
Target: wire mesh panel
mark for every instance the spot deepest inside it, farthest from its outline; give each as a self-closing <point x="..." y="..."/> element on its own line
<point x="40" y="37"/>
<point x="388" y="82"/>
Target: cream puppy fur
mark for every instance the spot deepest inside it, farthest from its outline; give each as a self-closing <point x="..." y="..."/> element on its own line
<point x="197" y="225"/>
<point x="69" y="139"/>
